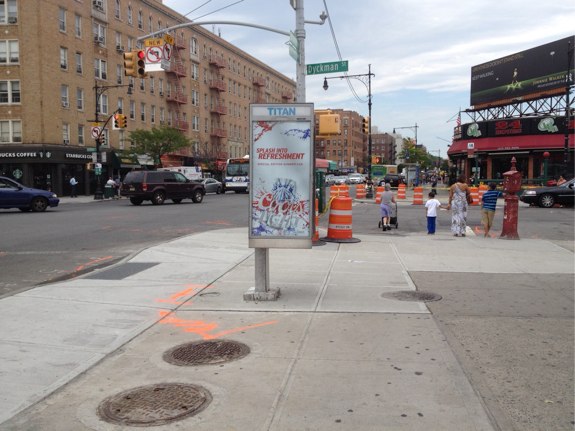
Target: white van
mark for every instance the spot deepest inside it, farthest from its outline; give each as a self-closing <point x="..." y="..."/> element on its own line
<point x="190" y="172"/>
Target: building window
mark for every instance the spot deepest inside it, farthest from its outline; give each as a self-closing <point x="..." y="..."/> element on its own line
<point x="103" y="106"/>
<point x="130" y="15"/>
<point x="162" y="115"/>
<point x="100" y="69"/>
<point x="194" y="46"/>
<point x="152" y="84"/>
<point x="62" y="19"/>
<point x="150" y="24"/>
<point x="99" y="32"/>
<point x="195" y="98"/>
<point x="64" y="96"/>
<point x="132" y="110"/>
<point x="161" y="86"/>
<point x="121" y="104"/>
<point x="10" y="131"/>
<point x="9" y="52"/>
<point x="140" y="20"/>
<point x="143" y="111"/>
<point x="80" y="99"/>
<point x="81" y="134"/>
<point x="79" y="62"/>
<point x="66" y="133"/>
<point x="195" y="72"/>
<point x="117" y="9"/>
<point x="119" y="74"/>
<point x="153" y="114"/>
<point x="8" y="8"/>
<point x="9" y="92"/>
<point x="64" y="58"/>
<point x="78" y="25"/>
<point x="195" y="123"/>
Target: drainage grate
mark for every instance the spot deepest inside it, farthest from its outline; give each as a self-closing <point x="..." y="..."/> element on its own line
<point x="411" y="295"/>
<point x="206" y="352"/>
<point x="153" y="405"/>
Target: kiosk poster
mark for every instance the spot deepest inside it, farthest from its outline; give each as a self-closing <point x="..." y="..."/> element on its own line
<point x="281" y="186"/>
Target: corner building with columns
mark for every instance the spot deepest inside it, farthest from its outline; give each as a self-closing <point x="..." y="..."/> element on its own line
<point x="62" y="75"/>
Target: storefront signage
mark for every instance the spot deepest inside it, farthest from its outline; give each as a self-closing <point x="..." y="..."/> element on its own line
<point x="281" y="181"/>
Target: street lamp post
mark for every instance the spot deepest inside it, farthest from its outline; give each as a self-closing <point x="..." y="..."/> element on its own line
<point x="99" y="90"/>
<point x="363" y="77"/>
<point x="568" y="84"/>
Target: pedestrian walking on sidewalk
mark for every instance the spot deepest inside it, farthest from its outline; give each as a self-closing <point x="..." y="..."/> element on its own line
<point x="73" y="186"/>
<point x="387" y="198"/>
<point x="458" y="206"/>
<point x="431" y="207"/>
<point x="488" y="205"/>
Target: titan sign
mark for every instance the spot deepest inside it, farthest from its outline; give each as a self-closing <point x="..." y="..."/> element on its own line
<point x="534" y="73"/>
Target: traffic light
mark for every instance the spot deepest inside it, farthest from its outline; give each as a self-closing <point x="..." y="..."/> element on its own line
<point x="119" y="122"/>
<point x="130" y="63"/>
<point x="365" y="125"/>
<point x="141" y="69"/>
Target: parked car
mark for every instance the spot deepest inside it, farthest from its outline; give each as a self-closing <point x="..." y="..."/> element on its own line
<point x="355" y="179"/>
<point x="546" y="197"/>
<point x="393" y="179"/>
<point x="15" y="195"/>
<point x="212" y="185"/>
<point x="157" y="186"/>
<point x="339" y="180"/>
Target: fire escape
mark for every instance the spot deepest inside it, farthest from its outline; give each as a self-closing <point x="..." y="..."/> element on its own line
<point x="218" y="87"/>
<point x="260" y="83"/>
<point x="175" y="96"/>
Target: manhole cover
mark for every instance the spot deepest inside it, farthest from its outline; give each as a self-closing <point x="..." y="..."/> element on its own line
<point x="154" y="404"/>
<point x="206" y="352"/>
<point x="411" y="295"/>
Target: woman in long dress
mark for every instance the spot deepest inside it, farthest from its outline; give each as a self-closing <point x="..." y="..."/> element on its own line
<point x="458" y="206"/>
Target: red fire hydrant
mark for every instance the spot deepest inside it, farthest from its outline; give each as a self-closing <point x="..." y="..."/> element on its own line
<point x="511" y="185"/>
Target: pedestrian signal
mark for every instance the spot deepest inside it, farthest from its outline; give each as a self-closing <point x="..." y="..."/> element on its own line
<point x="376" y="160"/>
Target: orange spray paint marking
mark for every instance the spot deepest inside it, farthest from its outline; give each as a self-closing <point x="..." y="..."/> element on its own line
<point x="175" y="299"/>
<point x="219" y="222"/>
<point x="204" y="329"/>
<point x="93" y="262"/>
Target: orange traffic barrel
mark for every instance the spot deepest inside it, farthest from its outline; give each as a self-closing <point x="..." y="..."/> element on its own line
<point x="378" y="192"/>
<point x="360" y="191"/>
<point x="340" y="221"/>
<point x="482" y="189"/>
<point x="418" y="195"/>
<point x="344" y="190"/>
<point x="401" y="191"/>
<point x="475" y="195"/>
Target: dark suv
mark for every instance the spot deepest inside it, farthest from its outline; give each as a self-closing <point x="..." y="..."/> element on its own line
<point x="157" y="186"/>
<point x="393" y="179"/>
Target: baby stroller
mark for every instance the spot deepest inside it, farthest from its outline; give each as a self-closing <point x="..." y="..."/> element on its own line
<point x="392" y="218"/>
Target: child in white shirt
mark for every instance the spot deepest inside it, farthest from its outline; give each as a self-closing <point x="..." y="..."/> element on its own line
<point x="431" y="212"/>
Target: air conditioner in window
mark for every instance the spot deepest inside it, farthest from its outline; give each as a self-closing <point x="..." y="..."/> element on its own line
<point x="79" y="69"/>
<point x="119" y="48"/>
<point x="99" y="39"/>
<point x="65" y="104"/>
<point x="161" y="93"/>
<point x="66" y="142"/>
<point x="98" y="4"/>
<point x="104" y="76"/>
<point x="12" y="20"/>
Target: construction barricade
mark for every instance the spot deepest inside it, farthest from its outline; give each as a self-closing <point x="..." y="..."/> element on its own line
<point x="360" y="191"/>
<point x="340" y="221"/>
<point x="475" y="195"/>
<point x="401" y="191"/>
<point x="418" y="195"/>
<point x="339" y="190"/>
<point x="378" y="192"/>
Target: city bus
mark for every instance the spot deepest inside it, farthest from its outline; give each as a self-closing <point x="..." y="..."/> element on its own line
<point x="237" y="175"/>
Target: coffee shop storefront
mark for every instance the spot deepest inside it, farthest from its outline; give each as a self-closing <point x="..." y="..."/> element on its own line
<point x="50" y="167"/>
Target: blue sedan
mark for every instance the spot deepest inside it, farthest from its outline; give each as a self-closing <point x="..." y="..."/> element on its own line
<point x="15" y="195"/>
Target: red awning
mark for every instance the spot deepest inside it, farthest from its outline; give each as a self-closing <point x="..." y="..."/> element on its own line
<point x="321" y="163"/>
<point x="512" y="143"/>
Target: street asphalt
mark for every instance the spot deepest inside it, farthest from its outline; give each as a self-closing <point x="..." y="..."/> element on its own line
<point x="351" y="343"/>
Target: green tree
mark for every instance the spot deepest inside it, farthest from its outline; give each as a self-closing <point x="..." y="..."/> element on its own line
<point x="157" y="142"/>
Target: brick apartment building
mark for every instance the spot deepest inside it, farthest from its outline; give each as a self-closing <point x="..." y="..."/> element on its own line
<point x="348" y="149"/>
<point x="383" y="145"/>
<point x="61" y="68"/>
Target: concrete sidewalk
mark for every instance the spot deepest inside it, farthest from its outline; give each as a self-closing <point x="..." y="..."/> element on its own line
<point x="337" y="351"/>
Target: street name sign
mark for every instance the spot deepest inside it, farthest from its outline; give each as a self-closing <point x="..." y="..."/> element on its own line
<point x="331" y="67"/>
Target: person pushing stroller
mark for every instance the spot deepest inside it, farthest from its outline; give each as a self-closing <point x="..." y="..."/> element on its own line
<point x="387" y="199"/>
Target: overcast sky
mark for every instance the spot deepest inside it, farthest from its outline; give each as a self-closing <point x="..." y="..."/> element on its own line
<point x="421" y="52"/>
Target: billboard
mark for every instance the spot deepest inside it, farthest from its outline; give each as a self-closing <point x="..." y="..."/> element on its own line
<point x="281" y="180"/>
<point x="530" y="74"/>
<point x="547" y="125"/>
